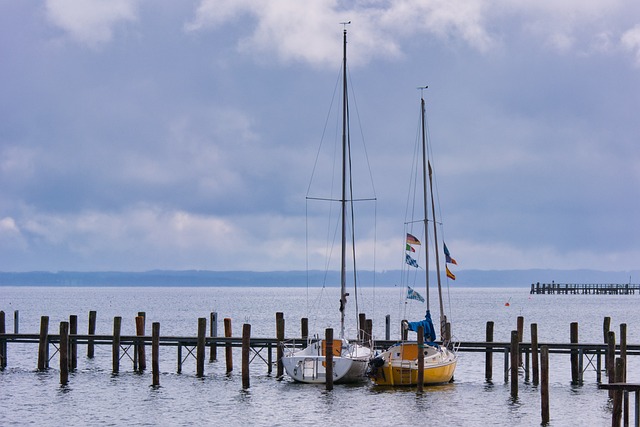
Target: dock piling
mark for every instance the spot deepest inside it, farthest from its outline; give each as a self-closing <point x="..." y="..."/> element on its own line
<point x="544" y="383"/>
<point x="115" y="347"/>
<point x="280" y="339"/>
<point x="3" y="343"/>
<point x="515" y="352"/>
<point x="43" y="344"/>
<point x="575" y="371"/>
<point x="228" y="349"/>
<point x="200" y="346"/>
<point x="420" y="359"/>
<point x="91" y="331"/>
<point x="246" y="353"/>
<point x="213" y="350"/>
<point x="64" y="353"/>
<point x="488" y="365"/>
<point x="534" y="353"/>
<point x="155" y="353"/>
<point x="328" y="339"/>
<point x="73" y="344"/>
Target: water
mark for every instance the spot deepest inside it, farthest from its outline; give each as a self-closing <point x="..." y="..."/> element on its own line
<point x="96" y="397"/>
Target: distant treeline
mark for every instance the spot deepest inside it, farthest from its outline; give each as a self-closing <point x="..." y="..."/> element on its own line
<point x="464" y="278"/>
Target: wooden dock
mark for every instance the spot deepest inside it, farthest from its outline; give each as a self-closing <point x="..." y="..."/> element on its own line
<point x="584" y="288"/>
<point x="519" y="357"/>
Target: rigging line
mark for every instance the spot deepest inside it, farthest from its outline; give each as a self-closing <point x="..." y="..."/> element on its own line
<point x="324" y="130"/>
<point x="364" y="146"/>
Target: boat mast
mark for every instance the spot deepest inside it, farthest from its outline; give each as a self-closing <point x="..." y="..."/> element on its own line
<point x="343" y="201"/>
<point x="435" y="224"/>
<point x="424" y="187"/>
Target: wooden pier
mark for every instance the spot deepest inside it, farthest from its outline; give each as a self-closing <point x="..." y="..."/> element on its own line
<point x="519" y="357"/>
<point x="584" y="288"/>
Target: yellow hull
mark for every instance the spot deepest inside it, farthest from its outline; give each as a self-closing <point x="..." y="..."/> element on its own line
<point x="400" y="366"/>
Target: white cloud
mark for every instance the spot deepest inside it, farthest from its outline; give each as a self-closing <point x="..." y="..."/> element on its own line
<point x="302" y="30"/>
<point x="10" y="235"/>
<point x="90" y="22"/>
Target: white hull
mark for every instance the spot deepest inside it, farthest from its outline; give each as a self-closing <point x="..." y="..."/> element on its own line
<point x="308" y="365"/>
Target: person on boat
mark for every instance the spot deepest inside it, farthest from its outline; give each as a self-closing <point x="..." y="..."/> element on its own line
<point x="427" y="327"/>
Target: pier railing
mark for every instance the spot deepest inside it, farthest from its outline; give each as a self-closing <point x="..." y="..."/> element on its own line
<point x="584" y="288"/>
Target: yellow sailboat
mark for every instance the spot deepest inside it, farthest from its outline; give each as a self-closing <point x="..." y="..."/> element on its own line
<point x="399" y="364"/>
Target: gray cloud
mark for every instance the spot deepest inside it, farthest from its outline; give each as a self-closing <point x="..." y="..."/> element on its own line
<point x="138" y="136"/>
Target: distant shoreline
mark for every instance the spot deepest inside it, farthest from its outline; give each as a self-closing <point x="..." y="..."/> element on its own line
<point x="464" y="278"/>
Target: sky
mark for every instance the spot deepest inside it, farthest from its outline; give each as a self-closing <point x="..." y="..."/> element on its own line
<point x="156" y="134"/>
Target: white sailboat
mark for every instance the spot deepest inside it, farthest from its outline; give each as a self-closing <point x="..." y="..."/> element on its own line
<point x="398" y="365"/>
<point x="350" y="359"/>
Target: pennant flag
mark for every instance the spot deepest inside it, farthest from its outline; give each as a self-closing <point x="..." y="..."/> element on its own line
<point x="412" y="240"/>
<point x="412" y="262"/>
<point x="411" y="294"/>
<point x="450" y="275"/>
<point x="410" y="248"/>
<point x="448" y="255"/>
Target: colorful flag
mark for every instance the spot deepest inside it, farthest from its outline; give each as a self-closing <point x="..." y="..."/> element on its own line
<point x="412" y="240"/>
<point x="450" y="275"/>
<point x="448" y="255"/>
<point x="410" y="248"/>
<point x="411" y="294"/>
<point x="412" y="262"/>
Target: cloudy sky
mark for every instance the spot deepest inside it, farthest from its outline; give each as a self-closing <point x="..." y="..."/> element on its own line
<point x="144" y="134"/>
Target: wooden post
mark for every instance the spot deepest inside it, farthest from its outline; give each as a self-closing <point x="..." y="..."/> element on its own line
<point x="534" y="353"/>
<point x="16" y="321"/>
<point x="544" y="383"/>
<point x="73" y="343"/>
<point x="520" y="329"/>
<point x="610" y="360"/>
<point x="200" y="347"/>
<point x="420" y="359"/>
<point x="623" y="356"/>
<point x="155" y="353"/>
<point x="43" y="344"/>
<point x="362" y="320"/>
<point x="92" y="331"/>
<point x="115" y="358"/>
<point x="64" y="353"/>
<point x="488" y="364"/>
<point x="623" y="348"/>
<point x="328" y="338"/>
<point x="246" y="353"/>
<point x="575" y="374"/>
<point x="280" y="339"/>
<point x="387" y="327"/>
<point x="606" y="327"/>
<point x="3" y="342"/>
<point x="515" y="351"/>
<point x="142" y="363"/>
<point x="213" y="354"/>
<point x="228" y="349"/>
<point x="617" y="395"/>
<point x="304" y="328"/>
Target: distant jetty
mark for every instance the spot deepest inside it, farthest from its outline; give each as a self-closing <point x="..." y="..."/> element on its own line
<point x="584" y="288"/>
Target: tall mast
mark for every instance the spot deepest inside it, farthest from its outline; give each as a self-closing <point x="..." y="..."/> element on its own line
<point x="424" y="198"/>
<point x="343" y="201"/>
<point x="435" y="224"/>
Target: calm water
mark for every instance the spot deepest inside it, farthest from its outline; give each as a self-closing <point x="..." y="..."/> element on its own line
<point x="95" y="397"/>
